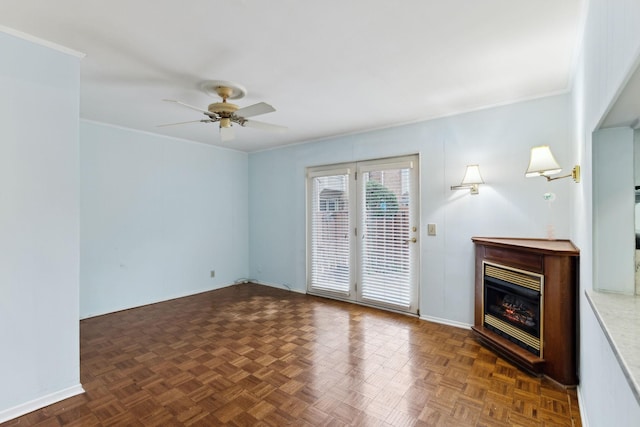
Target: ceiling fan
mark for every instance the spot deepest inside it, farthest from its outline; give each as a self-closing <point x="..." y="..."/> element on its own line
<point x="227" y="113"/>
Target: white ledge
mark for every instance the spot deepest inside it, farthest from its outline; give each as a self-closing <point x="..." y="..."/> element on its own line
<point x="619" y="317"/>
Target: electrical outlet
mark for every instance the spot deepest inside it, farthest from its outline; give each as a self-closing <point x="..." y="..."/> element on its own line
<point x="213" y="273"/>
<point x="431" y="229"/>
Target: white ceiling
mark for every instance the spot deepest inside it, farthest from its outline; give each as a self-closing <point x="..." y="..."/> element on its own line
<point x="329" y="67"/>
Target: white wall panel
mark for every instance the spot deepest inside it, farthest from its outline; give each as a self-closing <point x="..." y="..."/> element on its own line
<point x="613" y="211"/>
<point x="610" y="48"/>
<point x="39" y="226"/>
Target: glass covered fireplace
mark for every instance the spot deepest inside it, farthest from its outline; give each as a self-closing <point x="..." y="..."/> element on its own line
<point x="512" y="305"/>
<point x="526" y="303"/>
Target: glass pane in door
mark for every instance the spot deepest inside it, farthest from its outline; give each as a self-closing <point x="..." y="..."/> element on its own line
<point x="330" y="226"/>
<point x="386" y="274"/>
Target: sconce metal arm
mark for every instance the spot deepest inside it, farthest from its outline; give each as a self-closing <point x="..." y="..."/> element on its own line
<point x="575" y="174"/>
<point x="473" y="188"/>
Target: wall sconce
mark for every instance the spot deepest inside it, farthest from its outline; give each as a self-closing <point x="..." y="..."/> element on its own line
<point x="542" y="163"/>
<point x="471" y="180"/>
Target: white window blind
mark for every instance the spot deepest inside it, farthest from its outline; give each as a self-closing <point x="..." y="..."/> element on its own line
<point x="386" y="266"/>
<point x="330" y="227"/>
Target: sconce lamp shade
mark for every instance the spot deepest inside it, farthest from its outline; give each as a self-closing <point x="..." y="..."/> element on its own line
<point x="542" y="163"/>
<point x="471" y="180"/>
<point x="472" y="176"/>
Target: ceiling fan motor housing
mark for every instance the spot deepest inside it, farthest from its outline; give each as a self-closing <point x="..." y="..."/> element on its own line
<point x="222" y="108"/>
<point x="225" y="111"/>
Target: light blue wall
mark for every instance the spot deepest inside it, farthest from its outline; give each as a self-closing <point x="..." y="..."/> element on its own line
<point x="613" y="209"/>
<point x="157" y="215"/>
<point x="499" y="139"/>
<point x="609" y="53"/>
<point x="39" y="225"/>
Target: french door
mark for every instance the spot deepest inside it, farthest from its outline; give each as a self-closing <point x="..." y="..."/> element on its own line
<point x="362" y="232"/>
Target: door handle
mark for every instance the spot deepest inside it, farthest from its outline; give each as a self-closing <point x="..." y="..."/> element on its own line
<point x="412" y="240"/>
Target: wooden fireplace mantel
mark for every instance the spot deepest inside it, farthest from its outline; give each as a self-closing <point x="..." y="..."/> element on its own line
<point x="542" y="246"/>
<point x="557" y="261"/>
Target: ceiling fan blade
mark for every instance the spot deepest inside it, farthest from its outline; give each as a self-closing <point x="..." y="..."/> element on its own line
<point x="207" y="112"/>
<point x="255" y="110"/>
<point x="227" y="134"/>
<point x="182" y="123"/>
<point x="264" y="126"/>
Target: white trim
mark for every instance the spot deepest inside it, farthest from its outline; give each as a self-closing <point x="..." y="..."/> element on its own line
<point x="581" y="406"/>
<point x="41" y="42"/>
<point x="146" y="132"/>
<point x="276" y="285"/>
<point x="156" y="301"/>
<point x="191" y="293"/>
<point x="39" y="403"/>
<point x="427" y="118"/>
<point x="446" y="322"/>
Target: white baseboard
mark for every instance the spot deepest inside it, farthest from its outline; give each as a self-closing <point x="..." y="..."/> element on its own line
<point x="156" y="301"/>
<point x="446" y="322"/>
<point x="41" y="402"/>
<point x="277" y="285"/>
<point x="581" y="404"/>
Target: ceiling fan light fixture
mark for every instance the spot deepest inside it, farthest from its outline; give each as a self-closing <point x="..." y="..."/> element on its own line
<point x="227" y="113"/>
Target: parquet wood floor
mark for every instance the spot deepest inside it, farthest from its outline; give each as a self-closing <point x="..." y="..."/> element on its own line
<point x="250" y="355"/>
